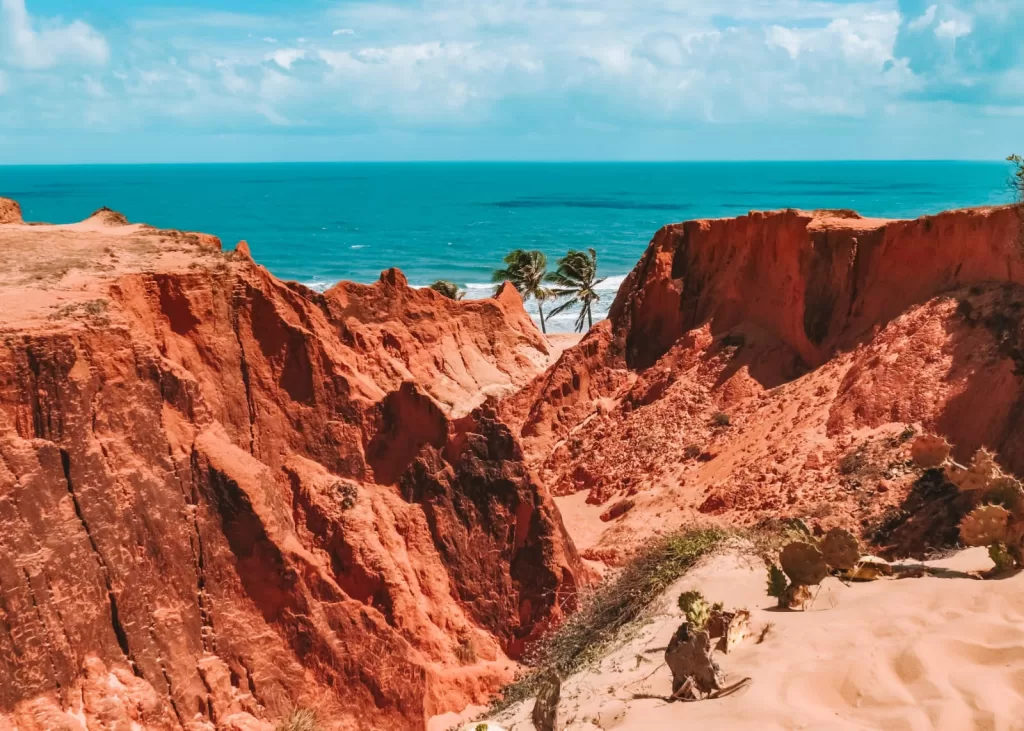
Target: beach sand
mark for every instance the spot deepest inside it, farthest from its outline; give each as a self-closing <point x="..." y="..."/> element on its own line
<point x="913" y="654"/>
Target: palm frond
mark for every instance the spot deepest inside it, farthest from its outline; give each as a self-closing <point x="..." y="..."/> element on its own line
<point x="563" y="307"/>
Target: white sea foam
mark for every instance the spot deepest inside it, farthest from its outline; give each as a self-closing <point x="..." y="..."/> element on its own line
<point x="611" y="284"/>
<point x="319" y="284"/>
<point x="357" y="246"/>
<point x="564" y="321"/>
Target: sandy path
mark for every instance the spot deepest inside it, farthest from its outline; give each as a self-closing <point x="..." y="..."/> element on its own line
<point x="914" y="654"/>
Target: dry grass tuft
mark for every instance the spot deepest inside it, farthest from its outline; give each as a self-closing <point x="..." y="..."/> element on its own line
<point x="300" y="719"/>
<point x="611" y="608"/>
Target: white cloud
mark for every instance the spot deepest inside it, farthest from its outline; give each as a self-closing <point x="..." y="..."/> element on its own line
<point x="523" y="66"/>
<point x="779" y="37"/>
<point x="925" y="20"/>
<point x="55" y="44"/>
<point x="952" y="29"/>
<point x="286" y="57"/>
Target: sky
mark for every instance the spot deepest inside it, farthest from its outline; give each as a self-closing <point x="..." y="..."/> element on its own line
<point x="119" y="81"/>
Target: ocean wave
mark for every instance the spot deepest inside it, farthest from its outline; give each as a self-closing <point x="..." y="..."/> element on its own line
<point x="610" y="284"/>
<point x="357" y="246"/>
<point x="565" y="321"/>
<point x="320" y="285"/>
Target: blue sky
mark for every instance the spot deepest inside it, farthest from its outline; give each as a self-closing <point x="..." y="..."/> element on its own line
<point x="223" y="80"/>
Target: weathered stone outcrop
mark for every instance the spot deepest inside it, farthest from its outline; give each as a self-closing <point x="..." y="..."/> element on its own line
<point x="223" y="496"/>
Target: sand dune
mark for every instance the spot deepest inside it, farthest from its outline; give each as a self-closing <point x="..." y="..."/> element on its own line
<point x="914" y="654"/>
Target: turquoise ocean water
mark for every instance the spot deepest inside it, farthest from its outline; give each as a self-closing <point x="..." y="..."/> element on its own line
<point x="318" y="223"/>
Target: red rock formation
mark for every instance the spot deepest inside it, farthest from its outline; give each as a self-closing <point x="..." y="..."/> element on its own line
<point x="10" y="211"/>
<point x="767" y="366"/>
<point x="222" y="495"/>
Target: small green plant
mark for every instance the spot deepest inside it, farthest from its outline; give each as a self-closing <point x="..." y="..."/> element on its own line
<point x="300" y="719"/>
<point x="481" y="727"/>
<point x="1017" y="177"/>
<point x="721" y="418"/>
<point x="447" y="289"/>
<point x="696" y="609"/>
<point x="1001" y="557"/>
<point x="347" y="495"/>
<point x="1017" y="186"/>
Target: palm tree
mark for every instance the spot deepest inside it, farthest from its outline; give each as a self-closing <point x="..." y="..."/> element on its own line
<point x="448" y="289"/>
<point x="576" y="278"/>
<point x="526" y="271"/>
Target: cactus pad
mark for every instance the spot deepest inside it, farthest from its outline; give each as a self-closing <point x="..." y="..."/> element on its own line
<point x="803" y="563"/>
<point x="696" y="608"/>
<point x="841" y="549"/>
<point x="984" y="525"/>
<point x="1006" y="491"/>
<point x="929" y="451"/>
<point x="982" y="473"/>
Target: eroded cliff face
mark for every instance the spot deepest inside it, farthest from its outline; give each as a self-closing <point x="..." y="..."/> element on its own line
<point x="223" y="496"/>
<point x="770" y="366"/>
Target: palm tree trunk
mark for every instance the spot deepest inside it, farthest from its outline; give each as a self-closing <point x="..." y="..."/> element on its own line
<point x="590" y="320"/>
<point x="540" y="309"/>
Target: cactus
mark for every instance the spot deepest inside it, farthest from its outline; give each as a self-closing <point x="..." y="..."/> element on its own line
<point x="1001" y="557"/>
<point x="696" y="609"/>
<point x="777" y="582"/>
<point x="982" y="473"/>
<point x="985" y="525"/>
<point x="806" y="564"/>
<point x="841" y="549"/>
<point x="998" y="519"/>
<point x="929" y="451"/>
<point x="803" y="563"/>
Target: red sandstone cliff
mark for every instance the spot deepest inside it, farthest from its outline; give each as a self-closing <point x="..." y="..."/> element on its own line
<point x="222" y="495"/>
<point x="769" y="365"/>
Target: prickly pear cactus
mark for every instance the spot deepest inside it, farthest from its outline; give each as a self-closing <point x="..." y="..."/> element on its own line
<point x="841" y="549"/>
<point x="777" y="582"/>
<point x="985" y="525"/>
<point x="1001" y="557"/>
<point x="1006" y="491"/>
<point x="981" y="474"/>
<point x="803" y="563"/>
<point x="929" y="451"/>
<point x="696" y="609"/>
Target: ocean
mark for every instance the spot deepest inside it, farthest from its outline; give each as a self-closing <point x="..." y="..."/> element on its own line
<point x="319" y="223"/>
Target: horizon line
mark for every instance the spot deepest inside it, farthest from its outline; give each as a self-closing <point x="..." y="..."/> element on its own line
<point x="734" y="161"/>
